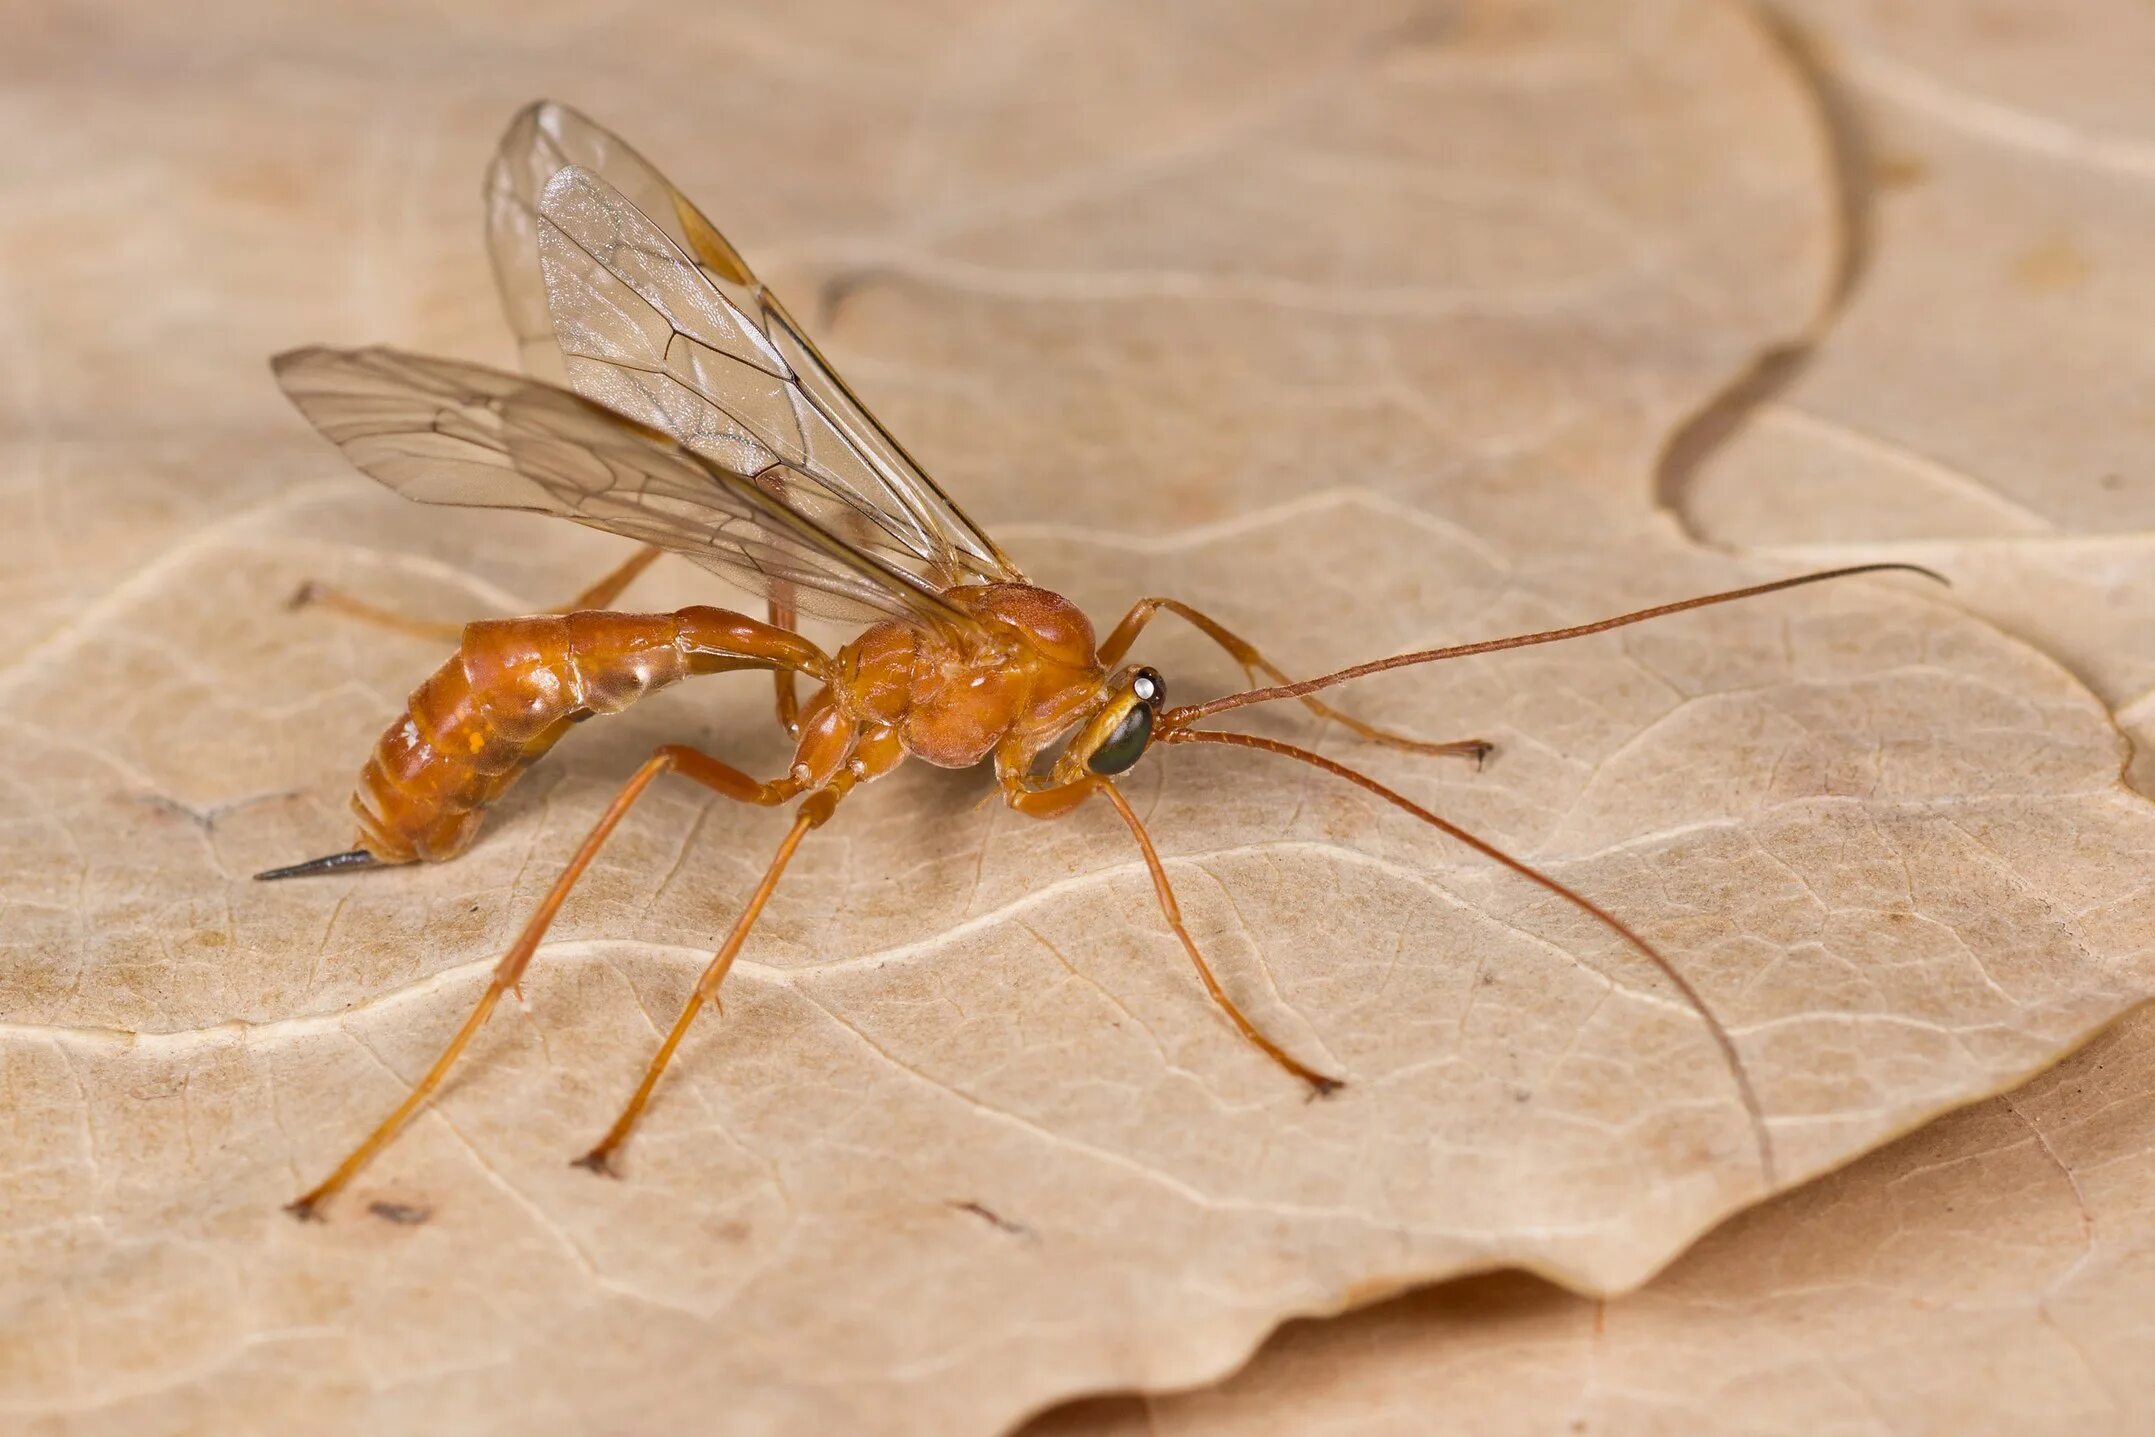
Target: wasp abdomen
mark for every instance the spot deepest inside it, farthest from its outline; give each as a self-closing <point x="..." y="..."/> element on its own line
<point x="508" y="694"/>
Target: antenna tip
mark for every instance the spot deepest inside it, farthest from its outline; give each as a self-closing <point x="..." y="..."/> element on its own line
<point x="328" y="863"/>
<point x="1896" y="567"/>
<point x="1903" y="567"/>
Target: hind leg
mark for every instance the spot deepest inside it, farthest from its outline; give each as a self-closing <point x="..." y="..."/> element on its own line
<point x="690" y="763"/>
<point x="599" y="596"/>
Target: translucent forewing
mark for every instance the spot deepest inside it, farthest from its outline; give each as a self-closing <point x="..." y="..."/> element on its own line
<point x="614" y="282"/>
<point x="444" y="432"/>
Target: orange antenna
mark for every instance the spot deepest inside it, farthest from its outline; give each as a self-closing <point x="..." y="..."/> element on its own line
<point x="1178" y="718"/>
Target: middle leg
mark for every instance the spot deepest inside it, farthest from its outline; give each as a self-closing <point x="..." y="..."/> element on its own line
<point x="789" y="699"/>
<point x="813" y="814"/>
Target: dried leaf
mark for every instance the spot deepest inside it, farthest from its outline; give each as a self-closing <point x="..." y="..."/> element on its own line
<point x="1987" y="1274"/>
<point x="1362" y="333"/>
<point x="1980" y="404"/>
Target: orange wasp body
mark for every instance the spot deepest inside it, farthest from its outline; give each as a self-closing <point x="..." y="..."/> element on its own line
<point x="516" y="686"/>
<point x="703" y="422"/>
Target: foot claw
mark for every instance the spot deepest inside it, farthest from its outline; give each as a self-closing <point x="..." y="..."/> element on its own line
<point x="304" y="595"/>
<point x="1322" y="1087"/>
<point x="599" y="1161"/>
<point x="304" y="1209"/>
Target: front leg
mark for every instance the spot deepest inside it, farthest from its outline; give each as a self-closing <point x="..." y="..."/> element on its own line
<point x="1053" y="800"/>
<point x="1254" y="664"/>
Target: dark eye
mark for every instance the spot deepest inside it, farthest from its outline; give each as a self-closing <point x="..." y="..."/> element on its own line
<point x="1126" y="744"/>
<point x="1147" y="689"/>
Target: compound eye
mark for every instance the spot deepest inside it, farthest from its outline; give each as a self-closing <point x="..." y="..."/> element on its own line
<point x="1125" y="744"/>
<point x="1147" y="688"/>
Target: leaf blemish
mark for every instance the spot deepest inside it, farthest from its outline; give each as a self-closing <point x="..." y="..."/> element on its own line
<point x="996" y="1220"/>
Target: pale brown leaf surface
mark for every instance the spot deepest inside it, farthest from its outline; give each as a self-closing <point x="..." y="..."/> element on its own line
<point x="1362" y="332"/>
<point x="1986" y="401"/>
<point x="1981" y="404"/>
<point x="1987" y="1274"/>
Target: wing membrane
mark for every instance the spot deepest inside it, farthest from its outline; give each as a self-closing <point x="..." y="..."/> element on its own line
<point x="444" y="432"/>
<point x="618" y="285"/>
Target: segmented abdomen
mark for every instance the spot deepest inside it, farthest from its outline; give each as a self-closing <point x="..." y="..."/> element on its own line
<point x="508" y="694"/>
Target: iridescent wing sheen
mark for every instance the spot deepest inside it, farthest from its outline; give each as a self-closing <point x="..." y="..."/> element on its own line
<point x="618" y="285"/>
<point x="444" y="432"/>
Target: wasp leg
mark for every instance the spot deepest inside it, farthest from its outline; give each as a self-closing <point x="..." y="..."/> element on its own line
<point x="814" y="813"/>
<point x="1060" y="799"/>
<point x="789" y="702"/>
<point x="690" y="763"/>
<point x="599" y="596"/>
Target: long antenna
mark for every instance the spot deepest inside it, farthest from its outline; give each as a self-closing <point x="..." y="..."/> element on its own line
<point x="1177" y="718"/>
